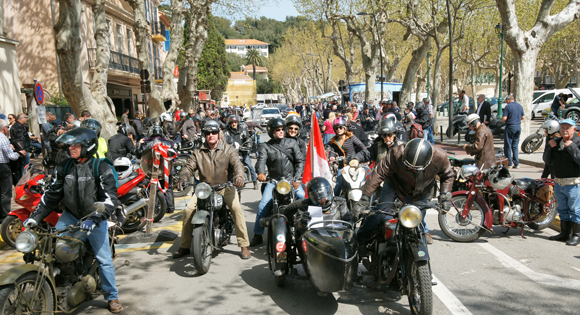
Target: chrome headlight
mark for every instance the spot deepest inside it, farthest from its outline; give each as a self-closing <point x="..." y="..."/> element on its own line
<point x="26" y="241"/>
<point x="217" y="200"/>
<point x="283" y="187"/>
<point x="468" y="170"/>
<point x="202" y="190"/>
<point x="410" y="216"/>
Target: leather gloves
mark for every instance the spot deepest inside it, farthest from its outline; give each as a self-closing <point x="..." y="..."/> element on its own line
<point x="361" y="205"/>
<point x="445" y="201"/>
<point x="238" y="181"/>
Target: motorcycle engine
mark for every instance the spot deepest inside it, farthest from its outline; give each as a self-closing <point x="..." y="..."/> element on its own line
<point x="513" y="214"/>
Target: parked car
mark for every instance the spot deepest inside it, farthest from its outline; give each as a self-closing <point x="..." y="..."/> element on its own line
<point x="445" y="105"/>
<point x="269" y="113"/>
<point x="247" y="114"/>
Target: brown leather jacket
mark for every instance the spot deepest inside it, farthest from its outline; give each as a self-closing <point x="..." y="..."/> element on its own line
<point x="482" y="148"/>
<point x="215" y="166"/>
<point x="409" y="183"/>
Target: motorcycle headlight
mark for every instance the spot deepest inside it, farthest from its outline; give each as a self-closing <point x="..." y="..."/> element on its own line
<point x="283" y="187"/>
<point x="26" y="241"/>
<point x="353" y="163"/>
<point x="468" y="170"/>
<point x="217" y="200"/>
<point x="410" y="216"/>
<point x="202" y="191"/>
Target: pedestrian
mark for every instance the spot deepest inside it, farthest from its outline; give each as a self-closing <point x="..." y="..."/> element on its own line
<point x="429" y="131"/>
<point x="11" y="120"/>
<point x="483" y="110"/>
<point x="138" y="125"/>
<point x="513" y="114"/>
<point x="85" y="114"/>
<point x="6" y="154"/>
<point x="558" y="104"/>
<point x="464" y="102"/>
<point x="563" y="156"/>
<point x="21" y="141"/>
<point x="327" y="128"/>
<point x="125" y="117"/>
<point x="423" y="117"/>
<point x="482" y="148"/>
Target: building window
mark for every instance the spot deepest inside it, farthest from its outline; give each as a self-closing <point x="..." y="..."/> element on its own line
<point x="119" y="39"/>
<point x="129" y="43"/>
<point x="111" y="39"/>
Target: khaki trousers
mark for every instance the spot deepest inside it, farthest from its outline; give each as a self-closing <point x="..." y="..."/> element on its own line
<point x="231" y="199"/>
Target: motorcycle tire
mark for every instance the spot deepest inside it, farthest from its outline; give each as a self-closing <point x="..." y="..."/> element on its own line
<point x="532" y="143"/>
<point x="160" y="207"/>
<point x="420" y="293"/>
<point x="135" y="221"/>
<point x="10" y="297"/>
<point x="201" y="247"/>
<point x="546" y="220"/>
<point x="11" y="228"/>
<point x="468" y="235"/>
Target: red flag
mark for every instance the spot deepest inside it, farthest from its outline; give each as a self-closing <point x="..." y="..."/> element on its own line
<point x="316" y="162"/>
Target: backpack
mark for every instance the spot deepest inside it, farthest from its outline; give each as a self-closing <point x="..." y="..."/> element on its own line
<point x="69" y="164"/>
<point x="416" y="131"/>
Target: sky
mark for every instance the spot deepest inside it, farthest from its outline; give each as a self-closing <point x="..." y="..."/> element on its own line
<point x="278" y="11"/>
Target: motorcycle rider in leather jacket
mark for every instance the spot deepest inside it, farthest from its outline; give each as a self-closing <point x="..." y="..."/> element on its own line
<point x="154" y="136"/>
<point x="284" y="161"/>
<point x="78" y="198"/>
<point x="294" y="126"/>
<point x="120" y="145"/>
<point x="238" y="133"/>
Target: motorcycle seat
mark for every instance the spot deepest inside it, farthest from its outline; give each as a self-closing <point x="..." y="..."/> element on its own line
<point x="128" y="179"/>
<point x="461" y="162"/>
<point x="526" y="184"/>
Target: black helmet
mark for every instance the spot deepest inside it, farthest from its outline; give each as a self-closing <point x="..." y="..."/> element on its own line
<point x="418" y="154"/>
<point x="125" y="129"/>
<point x="420" y="107"/>
<point x="386" y="126"/>
<point x="320" y="192"/>
<point x="92" y="124"/>
<point x="339" y="121"/>
<point x="210" y="125"/>
<point x="87" y="138"/>
<point x="274" y="124"/>
<point x="233" y="118"/>
<point x="293" y="120"/>
<point x="155" y="131"/>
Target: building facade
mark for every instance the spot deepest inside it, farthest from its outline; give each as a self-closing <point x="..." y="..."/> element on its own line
<point x="10" y="102"/>
<point x="242" y="46"/>
<point x="241" y="90"/>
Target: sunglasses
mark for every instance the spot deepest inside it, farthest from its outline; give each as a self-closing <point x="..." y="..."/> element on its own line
<point x="279" y="129"/>
<point x="213" y="132"/>
<point x="340" y="127"/>
<point x="293" y="129"/>
<point x="388" y="135"/>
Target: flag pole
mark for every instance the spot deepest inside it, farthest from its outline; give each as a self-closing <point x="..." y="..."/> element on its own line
<point x="312" y="150"/>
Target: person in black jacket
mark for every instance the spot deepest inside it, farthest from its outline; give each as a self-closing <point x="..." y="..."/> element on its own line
<point x="367" y="119"/>
<point x="236" y="135"/>
<point x="423" y="117"/>
<point x="138" y="125"/>
<point x="294" y="126"/>
<point x="357" y="130"/>
<point x="120" y="144"/>
<point x="483" y="110"/>
<point x="284" y="161"/>
<point x="21" y="141"/>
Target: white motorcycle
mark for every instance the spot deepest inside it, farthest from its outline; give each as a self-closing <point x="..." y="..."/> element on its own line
<point x="354" y="176"/>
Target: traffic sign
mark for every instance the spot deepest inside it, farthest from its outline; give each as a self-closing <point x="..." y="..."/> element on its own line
<point x="38" y="93"/>
<point x="144" y="74"/>
<point x="41" y="115"/>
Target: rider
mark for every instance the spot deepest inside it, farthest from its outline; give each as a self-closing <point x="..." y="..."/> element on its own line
<point x="239" y="134"/>
<point x="345" y="144"/>
<point x="120" y="144"/>
<point x="95" y="125"/>
<point x="386" y="140"/>
<point x="155" y="136"/>
<point x="217" y="163"/>
<point x="412" y="169"/>
<point x="283" y="158"/>
<point x="293" y="126"/>
<point x="482" y="148"/>
<point x="78" y="196"/>
<point x="169" y="128"/>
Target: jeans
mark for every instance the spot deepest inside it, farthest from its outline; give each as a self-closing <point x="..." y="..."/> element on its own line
<point x="429" y="135"/>
<point x="568" y="198"/>
<point x="338" y="187"/>
<point x="5" y="190"/>
<point x="37" y="148"/>
<point x="266" y="204"/>
<point x="99" y="240"/>
<point x="511" y="142"/>
<point x="247" y="162"/>
<point x="327" y="137"/>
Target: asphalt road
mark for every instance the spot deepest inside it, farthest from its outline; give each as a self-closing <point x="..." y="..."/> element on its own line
<point x="501" y="273"/>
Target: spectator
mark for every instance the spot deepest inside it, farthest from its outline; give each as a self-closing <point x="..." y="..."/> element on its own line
<point x="125" y="117"/>
<point x="11" y="120"/>
<point x="558" y="104"/>
<point x="513" y="114"/>
<point x="423" y="117"/>
<point x="85" y="114"/>
<point x="6" y="154"/>
<point x="138" y="125"/>
<point x="367" y="119"/>
<point x="327" y="128"/>
<point x="483" y="110"/>
<point x="21" y="141"/>
<point x="429" y="131"/>
<point x="464" y="102"/>
<point x="356" y="130"/>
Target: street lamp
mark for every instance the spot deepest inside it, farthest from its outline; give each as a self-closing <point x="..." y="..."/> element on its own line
<point x="428" y="55"/>
<point x="380" y="48"/>
<point x="499" y="32"/>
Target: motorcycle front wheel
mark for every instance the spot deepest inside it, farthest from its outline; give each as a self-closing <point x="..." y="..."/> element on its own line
<point x="160" y="207"/>
<point x="135" y="221"/>
<point x="11" y="227"/>
<point x="532" y="143"/>
<point x="420" y="288"/>
<point x="201" y="247"/>
<point x="19" y="300"/>
<point x="458" y="228"/>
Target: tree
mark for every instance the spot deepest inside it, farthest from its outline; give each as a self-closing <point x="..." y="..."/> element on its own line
<point x="235" y="62"/>
<point x="264" y="86"/>
<point x="213" y="73"/>
<point x="69" y="47"/>
<point x="254" y="58"/>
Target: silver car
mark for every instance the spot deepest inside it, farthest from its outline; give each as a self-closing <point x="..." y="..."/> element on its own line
<point x="269" y="113"/>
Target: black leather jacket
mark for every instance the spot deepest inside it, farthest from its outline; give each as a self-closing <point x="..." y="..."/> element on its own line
<point x="424" y="119"/>
<point x="239" y="135"/>
<point x="302" y="144"/>
<point x="19" y="137"/>
<point x="119" y="145"/>
<point x="278" y="163"/>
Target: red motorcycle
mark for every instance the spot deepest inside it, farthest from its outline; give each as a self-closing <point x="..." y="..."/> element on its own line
<point x="27" y="194"/>
<point x="494" y="197"/>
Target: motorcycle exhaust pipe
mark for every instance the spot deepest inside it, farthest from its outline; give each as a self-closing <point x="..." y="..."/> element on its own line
<point x="136" y="205"/>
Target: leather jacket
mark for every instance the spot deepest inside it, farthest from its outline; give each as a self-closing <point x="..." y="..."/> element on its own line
<point x="119" y="145"/>
<point x="19" y="137"/>
<point x="215" y="166"/>
<point x="239" y="135"/>
<point x="409" y="183"/>
<point x="424" y="119"/>
<point x="564" y="161"/>
<point x="278" y="163"/>
<point x="482" y="148"/>
<point x="301" y="143"/>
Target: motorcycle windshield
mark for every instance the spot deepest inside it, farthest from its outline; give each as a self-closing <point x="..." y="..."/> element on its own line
<point x="29" y="172"/>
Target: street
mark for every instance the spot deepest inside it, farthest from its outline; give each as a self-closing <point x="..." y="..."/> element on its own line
<point x="501" y="273"/>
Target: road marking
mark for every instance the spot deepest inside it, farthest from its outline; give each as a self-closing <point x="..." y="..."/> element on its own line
<point x="449" y="299"/>
<point x="540" y="278"/>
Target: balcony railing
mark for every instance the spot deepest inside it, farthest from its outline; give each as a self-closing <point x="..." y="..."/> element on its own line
<point x="118" y="61"/>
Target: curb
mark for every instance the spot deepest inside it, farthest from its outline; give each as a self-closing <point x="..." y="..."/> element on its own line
<point x="522" y="160"/>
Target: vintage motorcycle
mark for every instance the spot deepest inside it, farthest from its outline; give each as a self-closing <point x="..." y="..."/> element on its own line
<point x="66" y="276"/>
<point x="213" y="225"/>
<point x="494" y="197"/>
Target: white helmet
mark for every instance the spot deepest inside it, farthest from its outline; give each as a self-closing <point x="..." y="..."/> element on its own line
<point x="165" y="117"/>
<point x="123" y="166"/>
<point x="551" y="126"/>
<point x="471" y="119"/>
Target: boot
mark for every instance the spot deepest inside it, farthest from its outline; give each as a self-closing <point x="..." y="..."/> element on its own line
<point x="255" y="185"/>
<point x="181" y="252"/>
<point x="565" y="227"/>
<point x="575" y="239"/>
<point x="115" y="306"/>
<point x="257" y="240"/>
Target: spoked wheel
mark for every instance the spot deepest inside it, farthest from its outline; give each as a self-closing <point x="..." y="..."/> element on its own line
<point x="532" y="143"/>
<point x="388" y="268"/>
<point x="20" y="300"/>
<point x="420" y="288"/>
<point x="135" y="221"/>
<point x="11" y="227"/>
<point x="545" y="220"/>
<point x="201" y="247"/>
<point x="462" y="229"/>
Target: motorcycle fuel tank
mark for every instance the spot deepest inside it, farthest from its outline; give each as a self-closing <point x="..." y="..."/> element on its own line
<point x="67" y="250"/>
<point x="330" y="257"/>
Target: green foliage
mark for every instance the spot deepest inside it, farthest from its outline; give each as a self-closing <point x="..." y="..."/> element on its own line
<point x="253" y="57"/>
<point x="55" y="97"/>
<point x="213" y="72"/>
<point x="235" y="62"/>
<point x="165" y="7"/>
<point x="268" y="87"/>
